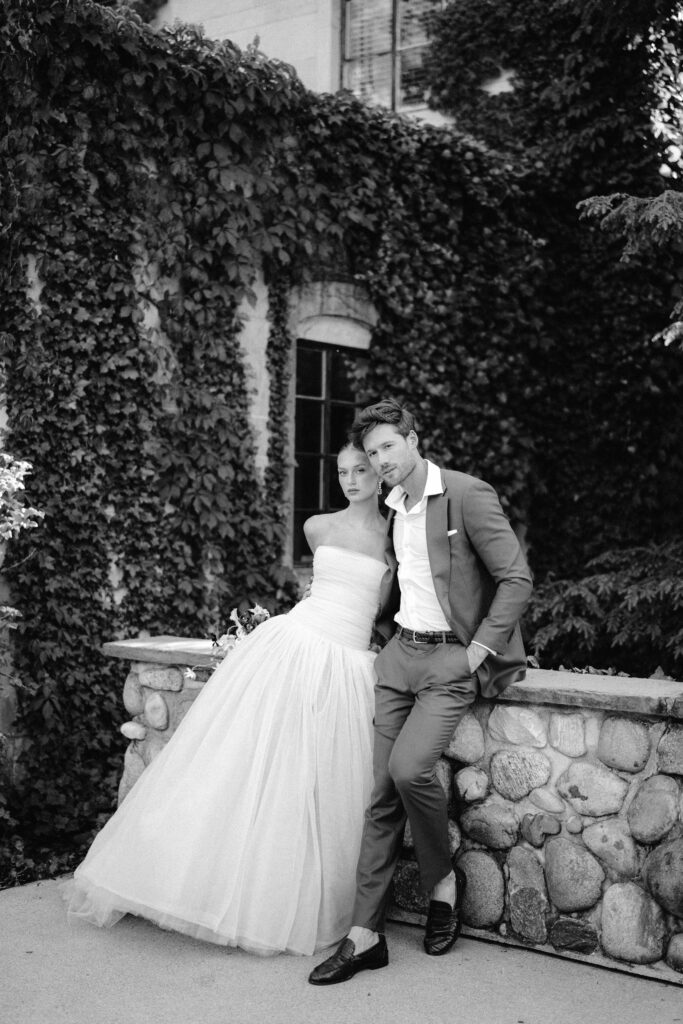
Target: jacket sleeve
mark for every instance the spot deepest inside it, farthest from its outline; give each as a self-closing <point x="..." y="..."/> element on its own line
<point x="495" y="543"/>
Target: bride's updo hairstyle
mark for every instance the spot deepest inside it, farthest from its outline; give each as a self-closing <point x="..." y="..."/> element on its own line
<point x="387" y="411"/>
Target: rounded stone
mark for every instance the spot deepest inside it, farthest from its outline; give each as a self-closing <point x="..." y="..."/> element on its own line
<point x="156" y="711"/>
<point x="484" y="900"/>
<point x="467" y="742"/>
<point x="663" y="875"/>
<point x="535" y="828"/>
<point x="670" y="751"/>
<point x="674" y="952"/>
<point x="573" y="875"/>
<point x="517" y="725"/>
<point x="161" y="678"/>
<point x="574" y="935"/>
<point x="547" y="799"/>
<point x="472" y="784"/>
<point x="633" y="926"/>
<point x="133" y="767"/>
<point x="567" y="734"/>
<point x="444" y="774"/>
<point x="515" y="773"/>
<point x="134" y="730"/>
<point x="624" y="744"/>
<point x="152" y="745"/>
<point x="592" y="790"/>
<point x="492" y="824"/>
<point x="611" y="842"/>
<point x="179" y="704"/>
<point x="133" y="699"/>
<point x="527" y="895"/>
<point x="574" y="824"/>
<point x="653" y="812"/>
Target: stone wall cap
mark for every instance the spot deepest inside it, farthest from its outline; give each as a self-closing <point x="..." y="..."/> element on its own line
<point x="163" y="650"/>
<point x="660" y="697"/>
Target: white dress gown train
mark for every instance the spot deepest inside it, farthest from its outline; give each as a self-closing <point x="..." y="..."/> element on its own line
<point x="245" y="829"/>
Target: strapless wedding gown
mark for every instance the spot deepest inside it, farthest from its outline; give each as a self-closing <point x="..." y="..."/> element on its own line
<point x="245" y="830"/>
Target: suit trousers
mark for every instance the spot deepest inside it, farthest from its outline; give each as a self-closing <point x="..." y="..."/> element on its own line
<point x="422" y="692"/>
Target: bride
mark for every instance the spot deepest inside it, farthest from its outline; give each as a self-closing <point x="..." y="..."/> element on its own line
<point x="245" y="829"/>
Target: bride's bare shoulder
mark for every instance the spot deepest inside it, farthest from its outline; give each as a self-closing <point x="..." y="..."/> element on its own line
<point x="317" y="529"/>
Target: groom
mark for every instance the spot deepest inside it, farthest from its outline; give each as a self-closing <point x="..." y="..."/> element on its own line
<point x="463" y="584"/>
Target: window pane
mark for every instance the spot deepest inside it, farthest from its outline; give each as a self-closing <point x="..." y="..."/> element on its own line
<point x="307" y="484"/>
<point x="341" y="418"/>
<point x="309" y="419"/>
<point x="309" y="371"/>
<point x="412" y="84"/>
<point x="368" y="27"/>
<point x="301" y="552"/>
<point x="415" y="20"/>
<point x="342" y="382"/>
<point x="334" y="496"/>
<point x="370" y="79"/>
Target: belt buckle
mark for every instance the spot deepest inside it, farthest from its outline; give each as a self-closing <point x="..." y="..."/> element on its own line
<point x="416" y="641"/>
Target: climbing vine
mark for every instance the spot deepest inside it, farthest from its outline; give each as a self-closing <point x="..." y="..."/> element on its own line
<point x="148" y="179"/>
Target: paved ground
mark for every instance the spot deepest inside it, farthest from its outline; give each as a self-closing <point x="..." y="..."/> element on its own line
<point x="53" y="973"/>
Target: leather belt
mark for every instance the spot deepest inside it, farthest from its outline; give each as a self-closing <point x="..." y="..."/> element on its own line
<point x="439" y="637"/>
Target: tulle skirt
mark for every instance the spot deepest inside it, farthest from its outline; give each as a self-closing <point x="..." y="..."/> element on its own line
<point x="245" y="829"/>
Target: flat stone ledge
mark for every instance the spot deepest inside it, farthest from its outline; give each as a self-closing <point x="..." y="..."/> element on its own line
<point x="659" y="697"/>
<point x="164" y="650"/>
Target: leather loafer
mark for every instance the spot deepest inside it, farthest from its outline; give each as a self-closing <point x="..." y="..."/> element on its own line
<point x="344" y="963"/>
<point x="443" y="921"/>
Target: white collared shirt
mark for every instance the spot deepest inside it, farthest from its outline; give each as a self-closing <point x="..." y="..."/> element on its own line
<point x="420" y="608"/>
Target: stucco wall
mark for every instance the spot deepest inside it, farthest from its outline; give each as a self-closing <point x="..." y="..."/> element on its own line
<point x="304" y="33"/>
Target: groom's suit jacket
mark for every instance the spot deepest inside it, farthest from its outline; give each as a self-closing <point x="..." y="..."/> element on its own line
<point x="480" y="574"/>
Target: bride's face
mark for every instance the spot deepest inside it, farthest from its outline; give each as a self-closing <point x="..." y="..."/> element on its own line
<point x="357" y="478"/>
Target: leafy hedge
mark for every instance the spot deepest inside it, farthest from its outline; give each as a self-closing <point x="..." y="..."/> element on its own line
<point x="608" y="421"/>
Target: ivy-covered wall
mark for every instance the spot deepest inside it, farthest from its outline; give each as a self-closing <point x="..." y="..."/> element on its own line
<point x="147" y="180"/>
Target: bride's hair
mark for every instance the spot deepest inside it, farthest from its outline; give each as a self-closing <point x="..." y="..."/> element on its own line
<point x="387" y="411"/>
<point x="351" y="445"/>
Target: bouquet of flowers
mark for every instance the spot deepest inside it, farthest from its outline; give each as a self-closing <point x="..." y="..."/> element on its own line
<point x="243" y="624"/>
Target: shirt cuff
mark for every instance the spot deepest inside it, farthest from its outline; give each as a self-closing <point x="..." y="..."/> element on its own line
<point x="484" y="646"/>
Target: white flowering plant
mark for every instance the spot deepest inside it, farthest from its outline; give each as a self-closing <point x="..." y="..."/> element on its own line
<point x="14" y="514"/>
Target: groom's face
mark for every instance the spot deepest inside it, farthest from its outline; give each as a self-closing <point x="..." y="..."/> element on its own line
<point x="392" y="456"/>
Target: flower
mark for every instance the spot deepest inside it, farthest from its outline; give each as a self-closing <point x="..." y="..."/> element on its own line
<point x="243" y="624"/>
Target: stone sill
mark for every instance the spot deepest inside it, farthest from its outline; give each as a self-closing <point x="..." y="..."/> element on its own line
<point x="659" y="697"/>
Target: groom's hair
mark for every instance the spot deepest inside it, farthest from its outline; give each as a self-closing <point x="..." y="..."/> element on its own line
<point x="387" y="411"/>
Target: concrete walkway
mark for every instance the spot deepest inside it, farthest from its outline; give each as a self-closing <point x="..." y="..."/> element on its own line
<point x="53" y="973"/>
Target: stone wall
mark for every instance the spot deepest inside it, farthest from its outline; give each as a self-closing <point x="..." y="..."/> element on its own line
<point x="566" y="806"/>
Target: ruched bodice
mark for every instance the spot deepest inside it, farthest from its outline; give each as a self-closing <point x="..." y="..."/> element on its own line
<point x="344" y="596"/>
